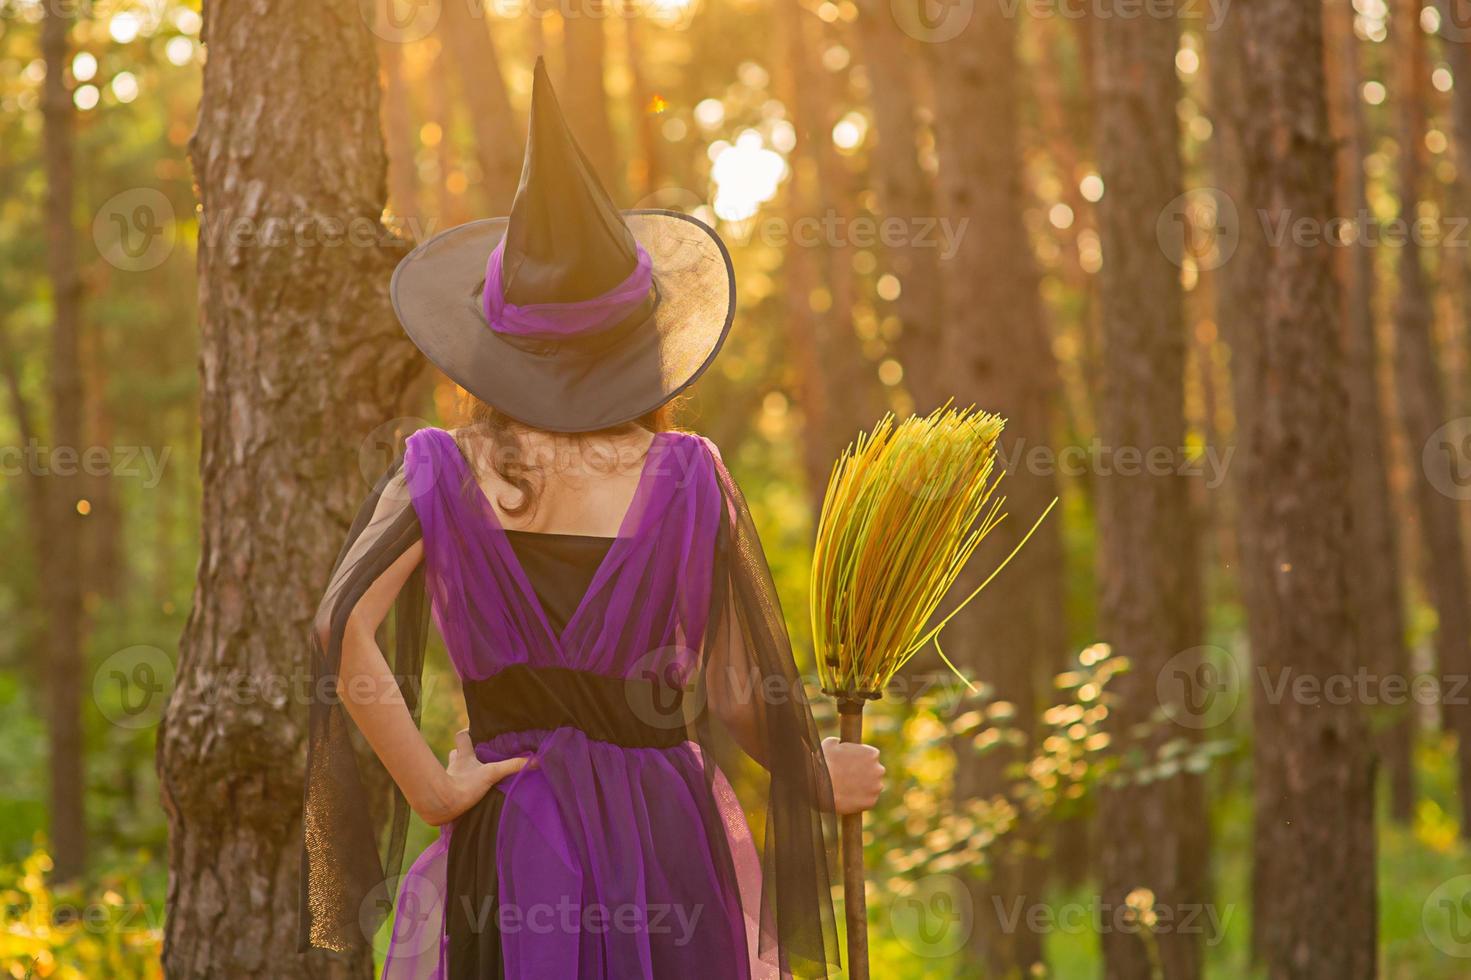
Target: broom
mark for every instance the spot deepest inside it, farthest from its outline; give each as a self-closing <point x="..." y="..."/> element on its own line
<point x="906" y="507"/>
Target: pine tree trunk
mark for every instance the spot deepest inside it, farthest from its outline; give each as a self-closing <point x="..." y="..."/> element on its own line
<point x="1314" y="821"/>
<point x="583" y="95"/>
<point x="64" y="663"/>
<point x="996" y="353"/>
<point x="1422" y="401"/>
<point x="647" y="170"/>
<point x="300" y="359"/>
<point x="904" y="194"/>
<point x="449" y="205"/>
<point x="398" y="131"/>
<point x="833" y="377"/>
<point x="1455" y="32"/>
<point x="1152" y="835"/>
<point x="1381" y="604"/>
<point x="499" y="136"/>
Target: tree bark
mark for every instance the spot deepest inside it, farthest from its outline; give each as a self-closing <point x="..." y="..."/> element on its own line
<point x="398" y="130"/>
<point x="905" y="194"/>
<point x="1381" y="603"/>
<point x="1455" y="17"/>
<point x="584" y="97"/>
<point x="1239" y="309"/>
<point x="834" y="378"/>
<point x="1152" y="833"/>
<point x="1314" y="829"/>
<point x="62" y="572"/>
<point x="300" y="358"/>
<point x="1423" y="408"/>
<point x="500" y="137"/>
<point x="647" y="170"/>
<point x="449" y="204"/>
<point x="995" y="351"/>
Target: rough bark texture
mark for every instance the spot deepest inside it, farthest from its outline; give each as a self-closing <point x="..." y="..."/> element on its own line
<point x="996" y="354"/>
<point x="300" y="359"/>
<point x="1422" y="403"/>
<point x="62" y="571"/>
<point x="904" y="194"/>
<point x="1314" y="831"/>
<point x="1380" y="605"/>
<point x="499" y="136"/>
<point x="1152" y="835"/>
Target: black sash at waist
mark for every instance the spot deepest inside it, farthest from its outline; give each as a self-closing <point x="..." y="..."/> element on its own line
<point x="631" y="712"/>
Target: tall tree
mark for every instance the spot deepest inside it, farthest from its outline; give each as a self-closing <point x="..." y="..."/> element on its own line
<point x="647" y="170"/>
<point x="995" y="351"/>
<point x="834" y="378"/>
<point x="300" y="358"/>
<point x="905" y="195"/>
<point x="499" y="136"/>
<point x="398" y="130"/>
<point x="584" y="93"/>
<point x="1314" y="830"/>
<point x="1455" y="32"/>
<point x="64" y="663"/>
<point x="1152" y="832"/>
<point x="1381" y="606"/>
<point x="1421" y="392"/>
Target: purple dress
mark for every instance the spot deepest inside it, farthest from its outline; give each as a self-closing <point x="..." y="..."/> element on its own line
<point x="623" y="850"/>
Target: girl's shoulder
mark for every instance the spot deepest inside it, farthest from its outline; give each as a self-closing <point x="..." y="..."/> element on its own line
<point x="690" y="450"/>
<point x="690" y="440"/>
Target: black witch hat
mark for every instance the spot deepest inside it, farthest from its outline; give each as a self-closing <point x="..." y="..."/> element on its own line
<point x="569" y="315"/>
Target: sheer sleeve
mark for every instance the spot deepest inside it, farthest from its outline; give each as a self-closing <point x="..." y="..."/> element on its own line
<point x="347" y="854"/>
<point x="757" y="712"/>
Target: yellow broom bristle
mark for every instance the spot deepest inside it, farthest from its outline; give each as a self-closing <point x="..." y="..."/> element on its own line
<point x="906" y="507"/>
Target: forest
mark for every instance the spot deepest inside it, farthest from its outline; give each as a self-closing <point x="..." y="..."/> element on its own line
<point x="1210" y="259"/>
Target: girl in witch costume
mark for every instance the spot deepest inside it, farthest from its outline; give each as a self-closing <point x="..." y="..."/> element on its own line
<point x="604" y="599"/>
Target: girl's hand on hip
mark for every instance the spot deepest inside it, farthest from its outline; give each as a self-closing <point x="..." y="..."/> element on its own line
<point x="466" y="781"/>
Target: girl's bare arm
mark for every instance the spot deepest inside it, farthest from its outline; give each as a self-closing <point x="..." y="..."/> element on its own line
<point x="371" y="695"/>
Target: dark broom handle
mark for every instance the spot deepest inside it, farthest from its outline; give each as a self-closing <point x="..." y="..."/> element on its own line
<point x="855" y="903"/>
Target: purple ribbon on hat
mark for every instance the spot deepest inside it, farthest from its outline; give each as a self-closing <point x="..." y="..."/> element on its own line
<point x="563" y="319"/>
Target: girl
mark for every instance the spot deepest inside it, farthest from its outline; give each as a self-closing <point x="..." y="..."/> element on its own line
<point x="603" y="596"/>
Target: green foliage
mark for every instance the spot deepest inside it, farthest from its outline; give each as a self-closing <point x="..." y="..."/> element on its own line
<point x="927" y="831"/>
<point x="72" y="933"/>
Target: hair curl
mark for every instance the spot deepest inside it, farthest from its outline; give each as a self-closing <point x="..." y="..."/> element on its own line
<point x="508" y="457"/>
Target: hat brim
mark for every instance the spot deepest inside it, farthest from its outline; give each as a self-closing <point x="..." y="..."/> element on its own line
<point x="571" y="387"/>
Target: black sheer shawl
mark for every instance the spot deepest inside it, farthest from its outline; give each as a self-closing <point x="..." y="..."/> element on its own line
<point x="349" y="858"/>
